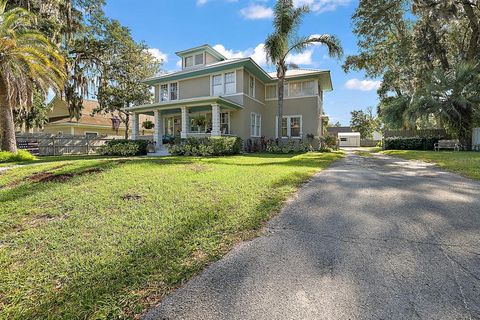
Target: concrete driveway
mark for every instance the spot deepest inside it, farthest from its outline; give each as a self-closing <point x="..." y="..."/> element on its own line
<point x="369" y="238"/>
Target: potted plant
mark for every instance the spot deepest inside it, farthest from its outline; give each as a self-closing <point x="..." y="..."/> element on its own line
<point x="147" y="124"/>
<point x="199" y="121"/>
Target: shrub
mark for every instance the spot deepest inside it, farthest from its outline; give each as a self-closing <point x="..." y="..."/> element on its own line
<point x="288" y="146"/>
<point x="329" y="142"/>
<point x="409" y="143"/>
<point x="124" y="148"/>
<point x="20" y="156"/>
<point x="211" y="146"/>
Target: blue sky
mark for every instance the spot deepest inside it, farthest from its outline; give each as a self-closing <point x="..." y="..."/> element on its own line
<point x="238" y="28"/>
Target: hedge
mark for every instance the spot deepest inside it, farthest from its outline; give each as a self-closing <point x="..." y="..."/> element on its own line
<point x="124" y="148"/>
<point x="409" y="143"/>
<point x="211" y="146"/>
<point x="19" y="156"/>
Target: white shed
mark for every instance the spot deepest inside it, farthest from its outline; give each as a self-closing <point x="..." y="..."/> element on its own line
<point x="349" y="139"/>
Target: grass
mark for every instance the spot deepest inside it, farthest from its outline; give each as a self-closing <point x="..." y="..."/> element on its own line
<point x="463" y="163"/>
<point x="19" y="156"/>
<point x="47" y="159"/>
<point x="107" y="238"/>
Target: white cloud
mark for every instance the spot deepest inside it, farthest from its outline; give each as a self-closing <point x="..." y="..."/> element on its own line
<point x="179" y="63"/>
<point x="320" y="6"/>
<point x="257" y="54"/>
<point x="201" y="2"/>
<point x="363" y="85"/>
<point x="162" y="57"/>
<point x="256" y="12"/>
<point x="301" y="58"/>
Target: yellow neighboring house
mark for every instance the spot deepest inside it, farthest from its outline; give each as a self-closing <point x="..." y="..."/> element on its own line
<point x="98" y="125"/>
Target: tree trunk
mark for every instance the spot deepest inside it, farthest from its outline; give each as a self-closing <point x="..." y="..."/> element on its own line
<point x="475" y="26"/>
<point x="281" y="82"/>
<point x="7" y="127"/>
<point x="127" y="124"/>
<point x="465" y="132"/>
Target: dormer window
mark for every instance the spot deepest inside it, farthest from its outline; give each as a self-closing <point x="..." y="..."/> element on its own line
<point x="194" y="60"/>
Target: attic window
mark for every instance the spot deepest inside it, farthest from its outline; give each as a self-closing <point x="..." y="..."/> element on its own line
<point x="188" y="61"/>
<point x="199" y="59"/>
<point x="194" y="60"/>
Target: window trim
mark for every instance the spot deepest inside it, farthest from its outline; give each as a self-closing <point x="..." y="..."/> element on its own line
<point x="250" y="77"/>
<point x="287" y="95"/>
<point x="168" y="84"/>
<point x="289" y="129"/>
<point x="91" y="132"/>
<point x="257" y="117"/>
<point x="223" y="74"/>
<point x="194" y="64"/>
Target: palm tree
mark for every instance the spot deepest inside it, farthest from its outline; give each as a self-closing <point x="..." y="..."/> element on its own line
<point x="285" y="40"/>
<point x="28" y="62"/>
<point x="452" y="96"/>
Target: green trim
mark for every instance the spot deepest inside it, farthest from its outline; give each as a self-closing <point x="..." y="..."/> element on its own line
<point x="204" y="47"/>
<point x="248" y="64"/>
<point x="173" y="105"/>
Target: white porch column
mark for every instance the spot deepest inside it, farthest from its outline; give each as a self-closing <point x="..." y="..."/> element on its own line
<point x="135" y="124"/>
<point x="158" y="134"/>
<point x="215" y="120"/>
<point x="185" y="121"/>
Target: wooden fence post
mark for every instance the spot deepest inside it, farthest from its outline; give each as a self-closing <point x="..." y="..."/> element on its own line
<point x="53" y="146"/>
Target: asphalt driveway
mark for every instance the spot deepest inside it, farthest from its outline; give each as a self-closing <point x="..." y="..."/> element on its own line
<point x="368" y="238"/>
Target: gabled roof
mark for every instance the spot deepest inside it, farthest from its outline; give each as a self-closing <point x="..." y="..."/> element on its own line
<point x="204" y="47"/>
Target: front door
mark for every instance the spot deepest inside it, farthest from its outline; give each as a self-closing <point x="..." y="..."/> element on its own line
<point x="173" y="126"/>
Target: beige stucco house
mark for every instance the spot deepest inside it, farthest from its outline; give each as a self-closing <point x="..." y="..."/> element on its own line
<point x="97" y="125"/>
<point x="235" y="96"/>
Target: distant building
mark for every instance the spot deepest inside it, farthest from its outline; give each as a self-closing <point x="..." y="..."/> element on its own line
<point x="334" y="131"/>
<point x="60" y="122"/>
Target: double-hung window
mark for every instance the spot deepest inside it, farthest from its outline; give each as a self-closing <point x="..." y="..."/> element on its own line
<point x="217" y="85"/>
<point x="164" y="92"/>
<point x="255" y="125"/>
<point x="230" y="83"/>
<point x="291" y="126"/>
<point x="251" y="86"/>
<point x="224" y="84"/>
<point x="225" y="123"/>
<point x="173" y="91"/>
<point x="169" y="91"/>
<point x="271" y="91"/>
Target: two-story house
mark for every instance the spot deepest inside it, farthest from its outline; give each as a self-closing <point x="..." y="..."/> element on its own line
<point x="232" y="97"/>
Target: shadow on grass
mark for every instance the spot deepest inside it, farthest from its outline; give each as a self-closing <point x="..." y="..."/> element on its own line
<point x="121" y="286"/>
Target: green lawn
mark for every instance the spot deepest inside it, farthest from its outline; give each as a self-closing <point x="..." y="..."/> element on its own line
<point x="107" y="238"/>
<point x="464" y="163"/>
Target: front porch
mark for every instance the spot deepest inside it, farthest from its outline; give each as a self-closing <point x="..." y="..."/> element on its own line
<point x="203" y="117"/>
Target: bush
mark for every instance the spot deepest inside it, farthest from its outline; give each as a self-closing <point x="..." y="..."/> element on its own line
<point x="211" y="146"/>
<point x="288" y="146"/>
<point x="329" y="142"/>
<point x="124" y="148"/>
<point x="20" y="156"/>
<point x="409" y="143"/>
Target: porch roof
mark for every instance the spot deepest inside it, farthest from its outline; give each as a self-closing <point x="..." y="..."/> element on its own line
<point x="193" y="102"/>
